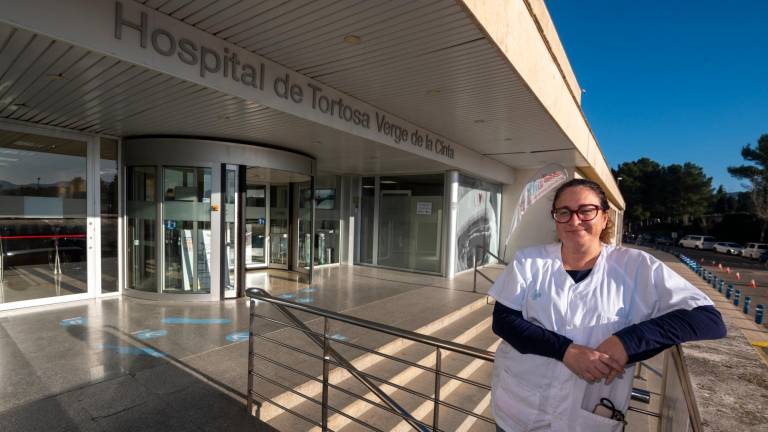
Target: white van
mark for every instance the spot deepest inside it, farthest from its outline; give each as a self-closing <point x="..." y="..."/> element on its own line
<point x="697" y="242"/>
<point x="754" y="250"/>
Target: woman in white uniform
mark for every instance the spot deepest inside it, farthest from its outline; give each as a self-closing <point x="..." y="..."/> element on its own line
<point x="573" y="315"/>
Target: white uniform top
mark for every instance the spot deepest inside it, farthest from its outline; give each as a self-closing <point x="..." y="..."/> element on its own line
<point x="625" y="287"/>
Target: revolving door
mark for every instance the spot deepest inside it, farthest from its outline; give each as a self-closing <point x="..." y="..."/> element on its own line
<point x="201" y="213"/>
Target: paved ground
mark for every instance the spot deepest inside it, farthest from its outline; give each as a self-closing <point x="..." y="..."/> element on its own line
<point x="127" y="364"/>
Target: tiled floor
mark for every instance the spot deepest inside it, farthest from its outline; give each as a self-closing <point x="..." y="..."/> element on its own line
<point x="130" y="364"/>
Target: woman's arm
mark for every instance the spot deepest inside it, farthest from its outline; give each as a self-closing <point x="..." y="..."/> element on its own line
<point x="526" y="337"/>
<point x="646" y="339"/>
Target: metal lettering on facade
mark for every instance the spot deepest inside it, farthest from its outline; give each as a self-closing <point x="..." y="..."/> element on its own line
<point x="228" y="64"/>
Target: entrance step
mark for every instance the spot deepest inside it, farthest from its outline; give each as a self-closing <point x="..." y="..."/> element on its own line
<point x="457" y="316"/>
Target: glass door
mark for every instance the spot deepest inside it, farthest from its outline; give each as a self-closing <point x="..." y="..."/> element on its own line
<point x="231" y="231"/>
<point x="255" y="225"/>
<point x="187" y="228"/>
<point x="303" y="216"/>
<point x="279" y="224"/>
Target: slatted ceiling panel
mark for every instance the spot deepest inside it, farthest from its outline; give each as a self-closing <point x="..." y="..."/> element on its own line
<point x="38" y="69"/>
<point x="257" y="23"/>
<point x="329" y="29"/>
<point x="408" y="38"/>
<point x="53" y="90"/>
<point x="237" y="13"/>
<point x="407" y="49"/>
<point x="200" y="10"/>
<point x="50" y="64"/>
<point x="318" y="29"/>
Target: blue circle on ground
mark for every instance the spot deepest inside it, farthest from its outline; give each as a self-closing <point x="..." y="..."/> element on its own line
<point x="238" y="336"/>
<point x="287" y="296"/>
<point x="149" y="334"/>
<point x="76" y="321"/>
<point x="305" y="300"/>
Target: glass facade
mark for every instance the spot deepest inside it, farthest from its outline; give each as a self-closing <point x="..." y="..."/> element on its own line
<point x="187" y="228"/>
<point x="401" y="222"/>
<point x="141" y="217"/>
<point x="255" y="225"/>
<point x="109" y="212"/>
<point x="43" y="211"/>
<point x="327" y="216"/>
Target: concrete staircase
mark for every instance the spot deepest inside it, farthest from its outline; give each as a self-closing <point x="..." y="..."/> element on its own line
<point x="468" y="323"/>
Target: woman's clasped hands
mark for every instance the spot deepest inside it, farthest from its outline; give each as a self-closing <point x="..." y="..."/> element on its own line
<point x="606" y="361"/>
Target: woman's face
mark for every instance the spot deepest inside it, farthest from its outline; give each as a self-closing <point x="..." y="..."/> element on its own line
<point x="576" y="232"/>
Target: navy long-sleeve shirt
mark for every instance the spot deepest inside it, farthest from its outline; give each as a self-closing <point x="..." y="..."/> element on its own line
<point x="641" y="341"/>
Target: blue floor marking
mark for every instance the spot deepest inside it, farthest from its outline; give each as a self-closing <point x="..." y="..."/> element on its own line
<point x="308" y="289"/>
<point x="339" y="336"/>
<point x="183" y="320"/>
<point x="149" y="334"/>
<point x="76" y="321"/>
<point x="131" y="350"/>
<point x="287" y="296"/>
<point x="305" y="300"/>
<point x="238" y="336"/>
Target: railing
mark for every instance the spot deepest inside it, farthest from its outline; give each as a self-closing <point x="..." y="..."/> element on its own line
<point x="678" y="406"/>
<point x="331" y="357"/>
<point x="475" y="261"/>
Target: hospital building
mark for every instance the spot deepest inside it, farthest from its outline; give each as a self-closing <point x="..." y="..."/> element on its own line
<point x="168" y="149"/>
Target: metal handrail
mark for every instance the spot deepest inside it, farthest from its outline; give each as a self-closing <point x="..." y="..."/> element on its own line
<point x="478" y="272"/>
<point x="331" y="357"/>
<point x="324" y="342"/>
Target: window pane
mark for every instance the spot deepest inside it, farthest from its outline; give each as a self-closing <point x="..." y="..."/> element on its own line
<point x="187" y="228"/>
<point x="410" y="222"/>
<point x="42" y="217"/>
<point x="108" y="177"/>
<point x="141" y="252"/>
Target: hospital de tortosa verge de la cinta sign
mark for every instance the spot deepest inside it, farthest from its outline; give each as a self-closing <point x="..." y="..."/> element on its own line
<point x="227" y="64"/>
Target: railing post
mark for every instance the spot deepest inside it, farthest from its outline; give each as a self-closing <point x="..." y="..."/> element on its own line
<point x="436" y="410"/>
<point x="326" y="355"/>
<point x="251" y="320"/>
<point x="474" y="265"/>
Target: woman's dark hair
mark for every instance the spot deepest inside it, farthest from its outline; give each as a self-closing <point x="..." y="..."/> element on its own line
<point x="607" y="234"/>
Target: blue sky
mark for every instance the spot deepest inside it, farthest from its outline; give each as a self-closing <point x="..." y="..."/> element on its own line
<point x="674" y="81"/>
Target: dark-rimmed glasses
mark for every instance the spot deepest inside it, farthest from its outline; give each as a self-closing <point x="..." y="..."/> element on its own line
<point x="585" y="213"/>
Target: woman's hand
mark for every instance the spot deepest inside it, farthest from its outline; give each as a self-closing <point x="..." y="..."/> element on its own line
<point x="590" y="364"/>
<point x="615" y="349"/>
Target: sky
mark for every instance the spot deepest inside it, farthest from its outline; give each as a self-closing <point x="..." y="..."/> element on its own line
<point x="674" y="81"/>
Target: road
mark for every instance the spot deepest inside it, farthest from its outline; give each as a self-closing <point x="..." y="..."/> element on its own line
<point x="745" y="268"/>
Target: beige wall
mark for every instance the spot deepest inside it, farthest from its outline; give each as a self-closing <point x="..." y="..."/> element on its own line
<point x="525" y="35"/>
<point x="536" y="226"/>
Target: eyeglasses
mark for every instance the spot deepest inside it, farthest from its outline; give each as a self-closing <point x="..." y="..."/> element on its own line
<point x="585" y="213"/>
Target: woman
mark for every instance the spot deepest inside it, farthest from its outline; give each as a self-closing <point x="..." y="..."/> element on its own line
<point x="574" y="314"/>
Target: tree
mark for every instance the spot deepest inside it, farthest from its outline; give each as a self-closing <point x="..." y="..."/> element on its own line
<point x="756" y="174"/>
<point x="669" y="194"/>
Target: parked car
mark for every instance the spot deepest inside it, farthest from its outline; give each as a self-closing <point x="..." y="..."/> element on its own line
<point x="729" y="248"/>
<point x="663" y="239"/>
<point x="754" y="250"/>
<point x="697" y="242"/>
